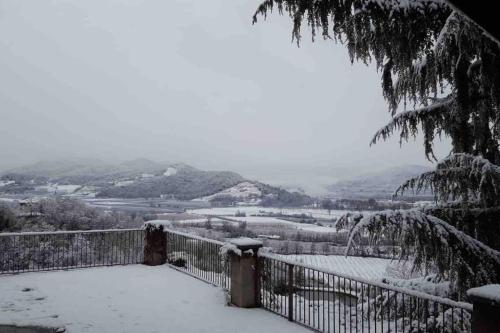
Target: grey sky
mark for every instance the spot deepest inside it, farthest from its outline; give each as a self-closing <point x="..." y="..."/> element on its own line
<point x="185" y="80"/>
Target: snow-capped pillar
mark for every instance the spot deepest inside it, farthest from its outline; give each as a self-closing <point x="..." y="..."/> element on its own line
<point x="486" y="313"/>
<point x="244" y="275"/>
<point x="155" y="245"/>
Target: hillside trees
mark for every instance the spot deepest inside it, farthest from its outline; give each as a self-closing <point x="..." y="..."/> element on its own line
<point x="8" y="219"/>
<point x="440" y="76"/>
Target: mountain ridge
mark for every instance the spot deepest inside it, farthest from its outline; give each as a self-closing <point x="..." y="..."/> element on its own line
<point x="139" y="178"/>
<point x="377" y="185"/>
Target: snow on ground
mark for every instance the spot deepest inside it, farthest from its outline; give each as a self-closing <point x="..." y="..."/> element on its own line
<point x="258" y="210"/>
<point x="123" y="299"/>
<point x="86" y="191"/>
<point x="490" y="292"/>
<point x="263" y="221"/>
<point x="58" y="189"/>
<point x="6" y="182"/>
<point x="259" y="221"/>
<point x="170" y="171"/>
<point x="244" y="190"/>
<point x="122" y="183"/>
<point x="8" y="200"/>
<point x="104" y="202"/>
<point x="368" y="268"/>
<point x="168" y="223"/>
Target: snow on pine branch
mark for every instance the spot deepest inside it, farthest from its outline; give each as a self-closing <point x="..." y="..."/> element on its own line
<point x="432" y="118"/>
<point x="344" y="15"/>
<point x="360" y="5"/>
<point x="449" y="30"/>
<point x="431" y="243"/>
<point x="464" y="177"/>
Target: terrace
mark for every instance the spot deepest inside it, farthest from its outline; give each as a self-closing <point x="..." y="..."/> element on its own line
<point x="159" y="296"/>
<point x="132" y="298"/>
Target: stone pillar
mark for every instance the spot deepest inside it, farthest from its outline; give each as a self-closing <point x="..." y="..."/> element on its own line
<point x="244" y="275"/>
<point x="486" y="313"/>
<point x="155" y="245"/>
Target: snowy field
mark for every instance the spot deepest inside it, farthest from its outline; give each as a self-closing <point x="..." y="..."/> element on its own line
<point x="266" y="221"/>
<point x="257" y="210"/>
<point x="255" y="221"/>
<point x="255" y="215"/>
<point x="367" y="268"/>
<point x="122" y="299"/>
<point x="58" y="189"/>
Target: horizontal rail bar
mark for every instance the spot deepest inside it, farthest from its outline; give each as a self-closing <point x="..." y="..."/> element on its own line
<point x="208" y="240"/>
<point x="60" y="232"/>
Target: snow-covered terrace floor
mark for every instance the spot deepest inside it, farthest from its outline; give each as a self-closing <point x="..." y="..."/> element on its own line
<point x="132" y="298"/>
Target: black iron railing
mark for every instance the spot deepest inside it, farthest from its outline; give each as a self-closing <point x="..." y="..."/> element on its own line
<point x="330" y="302"/>
<point x="319" y="299"/>
<point x="40" y="251"/>
<point x="200" y="257"/>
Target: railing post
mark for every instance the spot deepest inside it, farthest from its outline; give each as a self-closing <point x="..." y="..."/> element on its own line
<point x="486" y="312"/>
<point x="155" y="245"/>
<point x="290" y="292"/>
<point x="244" y="272"/>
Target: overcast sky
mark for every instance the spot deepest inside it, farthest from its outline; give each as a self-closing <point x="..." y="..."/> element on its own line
<point x="190" y="81"/>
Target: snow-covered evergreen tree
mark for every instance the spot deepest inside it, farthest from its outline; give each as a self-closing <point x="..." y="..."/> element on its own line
<point x="447" y="69"/>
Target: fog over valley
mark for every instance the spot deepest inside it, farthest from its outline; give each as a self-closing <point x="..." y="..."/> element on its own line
<point x="170" y="82"/>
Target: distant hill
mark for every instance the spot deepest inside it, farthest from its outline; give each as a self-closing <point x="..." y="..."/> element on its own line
<point x="186" y="183"/>
<point x="378" y="185"/>
<point x="142" y="178"/>
<point x="85" y="172"/>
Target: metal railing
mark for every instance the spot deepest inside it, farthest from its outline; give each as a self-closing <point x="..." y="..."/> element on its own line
<point x="41" y="251"/>
<point x="330" y="302"/>
<point x="319" y="299"/>
<point x="200" y="257"/>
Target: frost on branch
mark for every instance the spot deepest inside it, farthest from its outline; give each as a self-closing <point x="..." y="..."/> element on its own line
<point x="431" y="242"/>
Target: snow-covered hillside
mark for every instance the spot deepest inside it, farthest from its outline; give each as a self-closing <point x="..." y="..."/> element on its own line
<point x="170" y="171"/>
<point x="244" y="191"/>
<point x="142" y="178"/>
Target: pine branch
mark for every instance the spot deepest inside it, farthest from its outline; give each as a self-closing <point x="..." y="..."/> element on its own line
<point x="432" y="118"/>
<point x="478" y="222"/>
<point x="464" y="177"/>
<point x="463" y="260"/>
<point x="367" y="27"/>
<point x="346" y="221"/>
<point x="418" y="42"/>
